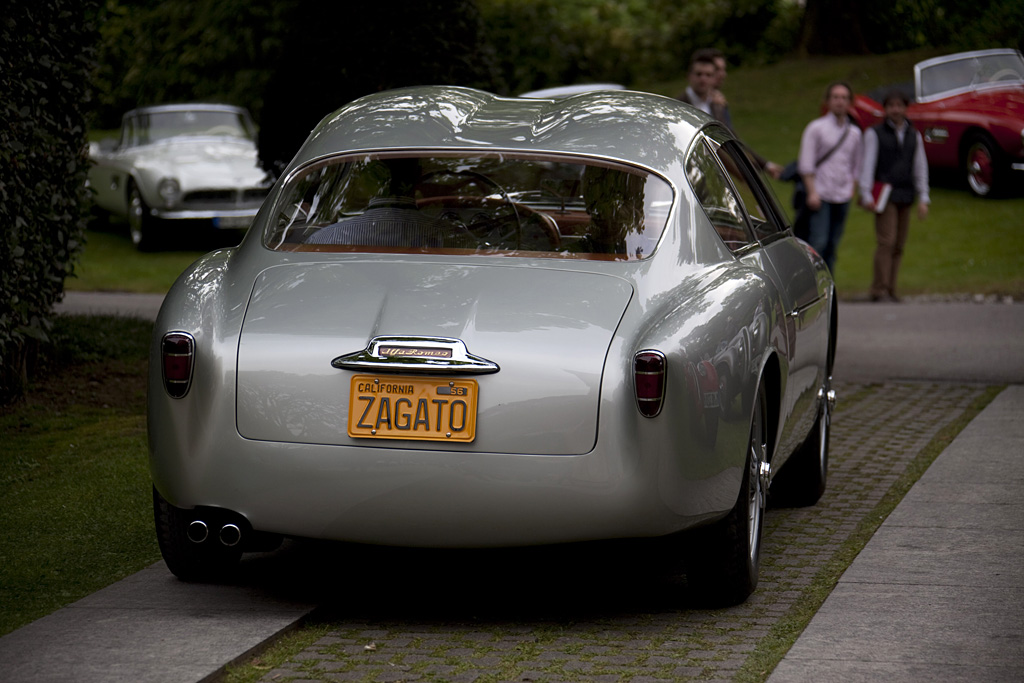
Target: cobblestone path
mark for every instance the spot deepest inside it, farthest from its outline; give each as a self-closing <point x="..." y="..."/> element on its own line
<point x="590" y="614"/>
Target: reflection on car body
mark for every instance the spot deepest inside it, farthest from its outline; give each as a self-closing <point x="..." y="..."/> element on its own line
<point x="462" y="320"/>
<point x="175" y="165"/>
<point x="560" y="91"/>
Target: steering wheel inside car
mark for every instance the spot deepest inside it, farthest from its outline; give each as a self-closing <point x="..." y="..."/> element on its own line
<point x="480" y="204"/>
<point x="1005" y="75"/>
<point x="474" y="201"/>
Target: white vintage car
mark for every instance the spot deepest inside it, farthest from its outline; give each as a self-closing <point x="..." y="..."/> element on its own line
<point x="461" y="320"/>
<point x="175" y="165"/>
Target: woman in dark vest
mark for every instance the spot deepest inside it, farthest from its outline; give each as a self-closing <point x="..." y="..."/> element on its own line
<point x="893" y="173"/>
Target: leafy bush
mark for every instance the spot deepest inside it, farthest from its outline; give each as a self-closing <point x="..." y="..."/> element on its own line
<point x="326" y="53"/>
<point x="893" y="25"/>
<point x="553" y="42"/>
<point x="46" y="56"/>
<point x="212" y="50"/>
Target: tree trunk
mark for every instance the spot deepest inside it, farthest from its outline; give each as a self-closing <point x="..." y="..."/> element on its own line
<point x="832" y="27"/>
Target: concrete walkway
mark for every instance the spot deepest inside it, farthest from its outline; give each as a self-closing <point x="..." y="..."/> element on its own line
<point x="938" y="592"/>
<point x="147" y="628"/>
<point x="144" y="306"/>
<point x="945" y="342"/>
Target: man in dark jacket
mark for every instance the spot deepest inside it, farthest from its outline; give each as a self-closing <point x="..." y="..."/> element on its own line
<point x="894" y="171"/>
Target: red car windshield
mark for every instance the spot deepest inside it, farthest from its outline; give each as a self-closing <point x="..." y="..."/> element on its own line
<point x="969" y="72"/>
<point x="489" y="204"/>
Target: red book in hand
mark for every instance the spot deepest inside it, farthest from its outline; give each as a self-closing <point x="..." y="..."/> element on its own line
<point x="880" y="195"/>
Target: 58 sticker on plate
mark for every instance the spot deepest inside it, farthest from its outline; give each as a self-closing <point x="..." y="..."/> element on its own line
<point x="417" y="408"/>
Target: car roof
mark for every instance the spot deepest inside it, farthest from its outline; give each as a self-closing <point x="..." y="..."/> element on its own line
<point x="644" y="129"/>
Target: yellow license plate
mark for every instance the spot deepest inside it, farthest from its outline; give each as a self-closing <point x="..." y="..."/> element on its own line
<point x="391" y="407"/>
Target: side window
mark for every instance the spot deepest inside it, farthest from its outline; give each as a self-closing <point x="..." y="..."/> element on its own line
<point x="128" y="133"/>
<point x="748" y="183"/>
<point x="730" y="157"/>
<point x="716" y="196"/>
<point x="770" y="201"/>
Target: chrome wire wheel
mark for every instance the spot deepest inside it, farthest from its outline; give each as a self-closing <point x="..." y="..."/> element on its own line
<point x="980" y="164"/>
<point x="758" y="477"/>
<point x="826" y="403"/>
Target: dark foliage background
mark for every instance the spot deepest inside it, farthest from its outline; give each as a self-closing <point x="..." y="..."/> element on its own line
<point x="291" y="62"/>
<point x="323" y="53"/>
<point x="960" y="25"/>
<point x="47" y="51"/>
<point x="156" y="52"/>
<point x="334" y="52"/>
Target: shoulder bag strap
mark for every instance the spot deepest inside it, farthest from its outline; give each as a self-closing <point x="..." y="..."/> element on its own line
<point x="842" y="137"/>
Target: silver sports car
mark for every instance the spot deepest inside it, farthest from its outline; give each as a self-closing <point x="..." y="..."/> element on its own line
<point x="177" y="164"/>
<point x="462" y="320"/>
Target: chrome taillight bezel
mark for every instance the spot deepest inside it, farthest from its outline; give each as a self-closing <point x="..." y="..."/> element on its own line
<point x="650" y="368"/>
<point x="177" y="362"/>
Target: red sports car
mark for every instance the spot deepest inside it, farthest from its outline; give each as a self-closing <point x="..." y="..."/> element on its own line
<point x="969" y="108"/>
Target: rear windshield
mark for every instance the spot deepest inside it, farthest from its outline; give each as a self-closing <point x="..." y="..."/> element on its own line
<point x="492" y="204"/>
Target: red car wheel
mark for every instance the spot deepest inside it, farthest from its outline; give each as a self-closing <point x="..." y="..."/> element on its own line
<point x="981" y="166"/>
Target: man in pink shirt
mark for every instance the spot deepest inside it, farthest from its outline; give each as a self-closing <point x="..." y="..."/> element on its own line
<point x="829" y="163"/>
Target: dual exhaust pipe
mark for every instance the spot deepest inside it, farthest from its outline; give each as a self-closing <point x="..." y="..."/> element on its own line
<point x="229" y="534"/>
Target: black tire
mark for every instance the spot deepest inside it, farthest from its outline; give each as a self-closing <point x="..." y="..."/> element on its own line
<point x="189" y="561"/>
<point x="723" y="560"/>
<point x="141" y="223"/>
<point x="983" y="166"/>
<point x="801" y="481"/>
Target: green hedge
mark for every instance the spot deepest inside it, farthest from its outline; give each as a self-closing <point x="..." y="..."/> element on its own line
<point x="46" y="59"/>
<point x="542" y="43"/>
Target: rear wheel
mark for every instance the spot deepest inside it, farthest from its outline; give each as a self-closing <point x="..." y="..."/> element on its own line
<point x="201" y="558"/>
<point x="723" y="561"/>
<point x="983" y="165"/>
<point x="801" y="482"/>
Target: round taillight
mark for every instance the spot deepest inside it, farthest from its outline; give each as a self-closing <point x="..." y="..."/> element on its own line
<point x="178" y="351"/>
<point x="649" y="381"/>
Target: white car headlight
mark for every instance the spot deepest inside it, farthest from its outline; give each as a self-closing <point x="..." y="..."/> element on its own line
<point x="170" y="192"/>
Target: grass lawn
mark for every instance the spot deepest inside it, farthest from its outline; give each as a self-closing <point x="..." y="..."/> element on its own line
<point x="75" y="504"/>
<point x="110" y="263"/>
<point x="966" y="245"/>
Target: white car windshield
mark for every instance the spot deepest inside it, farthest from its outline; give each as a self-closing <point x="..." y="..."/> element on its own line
<point x="968" y="72"/>
<point x="147" y="127"/>
<point x="490" y="204"/>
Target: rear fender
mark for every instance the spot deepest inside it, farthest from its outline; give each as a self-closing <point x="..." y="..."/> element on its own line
<point x="698" y="442"/>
